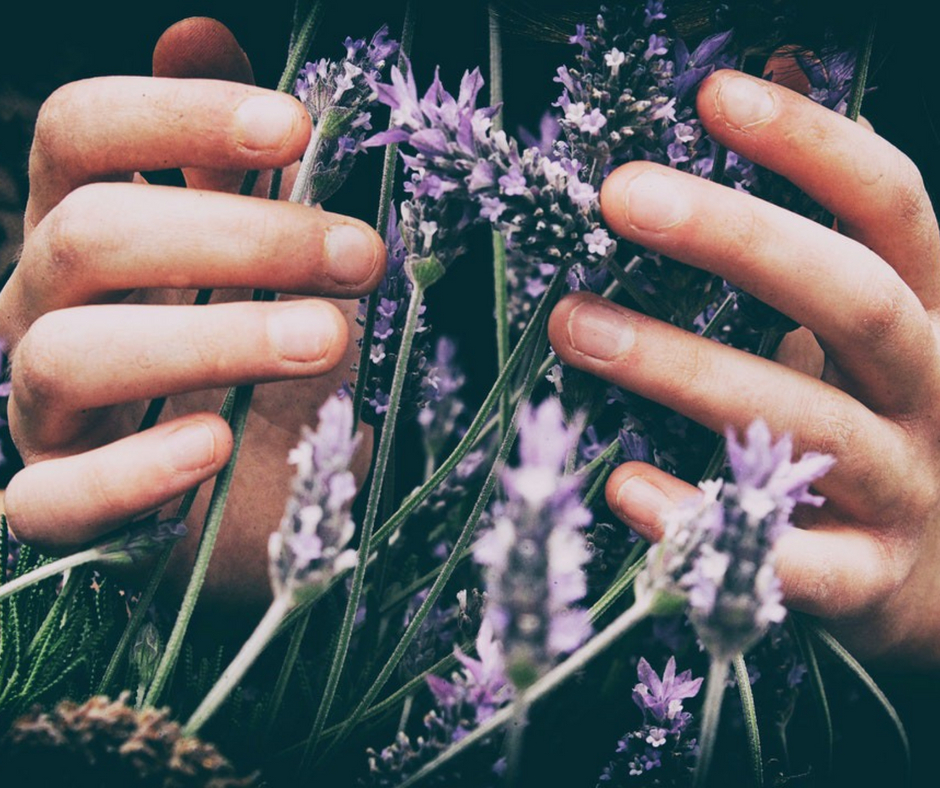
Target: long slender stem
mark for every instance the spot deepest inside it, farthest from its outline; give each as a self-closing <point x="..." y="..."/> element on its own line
<point x="49" y="570"/>
<point x="287" y="668"/>
<point x="711" y="715"/>
<point x="456" y="555"/>
<point x="556" y="676"/>
<point x="515" y="739"/>
<point x="372" y="506"/>
<point x="500" y="299"/>
<point x="750" y="719"/>
<point x="862" y="62"/>
<point x="236" y="670"/>
<point x="299" y="46"/>
<point x="386" y="192"/>
<point x="210" y="532"/>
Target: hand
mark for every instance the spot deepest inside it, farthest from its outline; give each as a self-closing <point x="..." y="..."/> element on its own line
<point x="99" y="311"/>
<point x="860" y="381"/>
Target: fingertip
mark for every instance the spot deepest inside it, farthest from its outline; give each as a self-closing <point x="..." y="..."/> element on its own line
<point x="558" y="322"/>
<point x="641" y="495"/>
<point x="200" y="47"/>
<point x="354" y="255"/>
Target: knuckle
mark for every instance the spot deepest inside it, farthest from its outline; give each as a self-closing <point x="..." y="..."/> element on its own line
<point x="884" y="308"/>
<point x="51" y="135"/>
<point x="826" y="431"/>
<point x="37" y="377"/>
<point x="909" y="195"/>
<point x="68" y="233"/>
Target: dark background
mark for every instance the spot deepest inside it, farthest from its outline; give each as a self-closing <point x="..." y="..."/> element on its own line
<point x="43" y="46"/>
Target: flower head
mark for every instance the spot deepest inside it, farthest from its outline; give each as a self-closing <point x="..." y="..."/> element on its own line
<point x="535" y="550"/>
<point x="660" y="743"/>
<point x="717" y="552"/>
<point x="309" y="547"/>
<point x="339" y="97"/>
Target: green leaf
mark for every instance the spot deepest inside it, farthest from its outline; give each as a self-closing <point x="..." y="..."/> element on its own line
<point x="816" y="683"/>
<point x="750" y="719"/>
<point x="853" y="664"/>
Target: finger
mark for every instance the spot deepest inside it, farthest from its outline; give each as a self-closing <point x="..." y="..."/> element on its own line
<point x="819" y="569"/>
<point x="719" y="386"/>
<point x="156" y="237"/>
<point x="869" y="321"/>
<point x="58" y="378"/>
<point x="202" y="48"/>
<point x="873" y="189"/>
<point x="157" y="124"/>
<point x="71" y="500"/>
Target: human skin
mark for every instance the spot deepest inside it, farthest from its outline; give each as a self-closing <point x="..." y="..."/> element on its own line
<point x="858" y="381"/>
<point x="99" y="318"/>
<point x="104" y="261"/>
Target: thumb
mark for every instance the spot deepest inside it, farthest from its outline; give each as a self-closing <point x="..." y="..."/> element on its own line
<point x="203" y="48"/>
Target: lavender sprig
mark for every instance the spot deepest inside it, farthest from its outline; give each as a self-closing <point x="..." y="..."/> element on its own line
<point x="717" y="552"/>
<point x="339" y="97"/>
<point x="132" y="545"/>
<point x="535" y="550"/>
<point x="660" y="749"/>
<point x="541" y="206"/>
<point x="309" y="548"/>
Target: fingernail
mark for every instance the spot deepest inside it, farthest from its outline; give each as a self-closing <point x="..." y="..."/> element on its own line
<point x="641" y="502"/>
<point x="744" y="103"/>
<point x="303" y="332"/>
<point x="653" y="202"/>
<point x="191" y="447"/>
<point x="351" y="254"/>
<point x="264" y="123"/>
<point x="599" y="331"/>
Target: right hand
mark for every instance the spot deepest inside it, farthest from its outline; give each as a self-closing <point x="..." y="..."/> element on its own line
<point x="98" y="314"/>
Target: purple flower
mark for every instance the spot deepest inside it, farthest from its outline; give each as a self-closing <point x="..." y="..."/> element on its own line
<point x="140" y="540"/>
<point x="339" y="97"/>
<point x="309" y="547"/>
<point x="394" y="293"/>
<point x="660" y="743"/>
<point x="457" y="153"/>
<point x="442" y="417"/>
<point x="717" y="551"/>
<point x="535" y="550"/>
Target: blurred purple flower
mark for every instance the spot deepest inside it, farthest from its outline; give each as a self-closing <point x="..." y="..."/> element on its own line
<point x="309" y="547"/>
<point x="535" y="550"/>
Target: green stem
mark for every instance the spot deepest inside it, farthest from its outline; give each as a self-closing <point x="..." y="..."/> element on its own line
<point x="456" y="555"/>
<point x="556" y="676"/>
<point x="711" y="715"/>
<point x="386" y="193"/>
<point x="49" y="570"/>
<point x="515" y="739"/>
<point x="476" y="426"/>
<point x="245" y="658"/>
<point x="210" y="531"/>
<point x="372" y="506"/>
<point x="718" y="319"/>
<point x="75" y="579"/>
<point x="500" y="300"/>
<point x="287" y="667"/>
<point x="816" y="683"/>
<point x="299" y="46"/>
<point x="750" y="719"/>
<point x="862" y="62"/>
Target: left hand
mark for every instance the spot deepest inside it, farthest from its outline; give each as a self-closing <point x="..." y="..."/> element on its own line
<point x="861" y="381"/>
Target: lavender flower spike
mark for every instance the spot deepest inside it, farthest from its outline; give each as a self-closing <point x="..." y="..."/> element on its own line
<point x="535" y="550"/>
<point x="717" y="552"/>
<point x="339" y="96"/>
<point x="308" y="548"/>
<point x="660" y="743"/>
<point x="541" y="206"/>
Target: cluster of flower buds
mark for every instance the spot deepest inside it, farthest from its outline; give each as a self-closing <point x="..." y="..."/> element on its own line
<point x="310" y="546"/>
<point x="339" y="96"/>
<point x="660" y="748"/>
<point x="717" y="552"/>
<point x="540" y="205"/>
